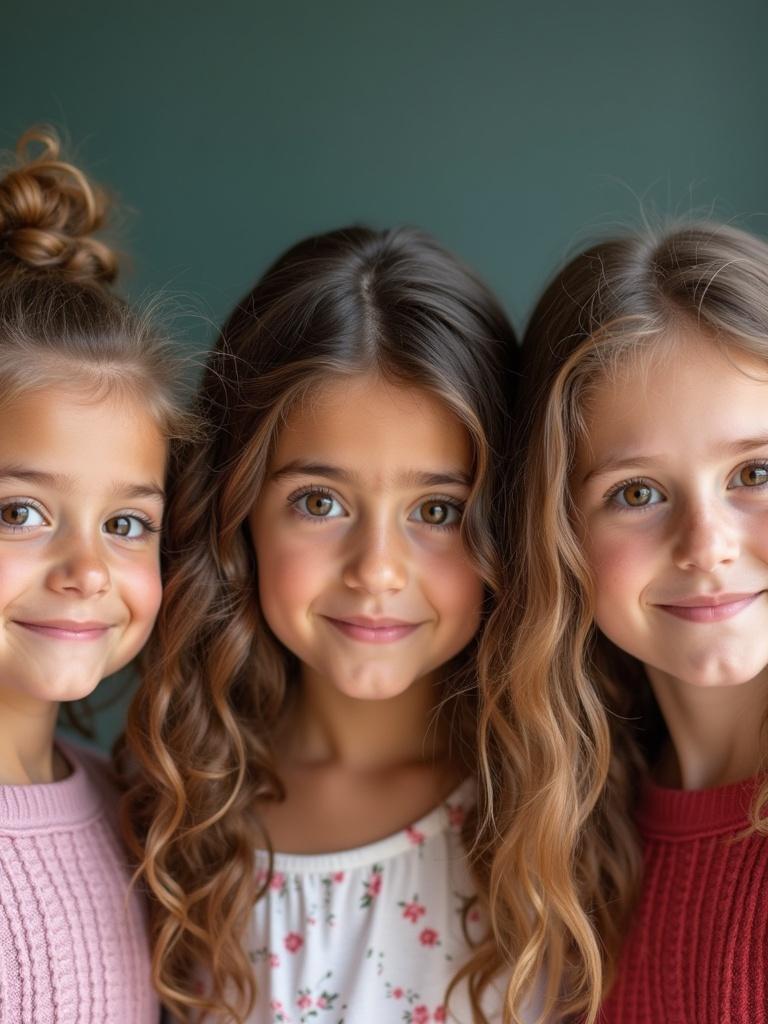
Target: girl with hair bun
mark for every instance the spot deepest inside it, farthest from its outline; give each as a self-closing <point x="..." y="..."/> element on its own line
<point x="311" y="812"/>
<point x="87" y="405"/>
<point x="636" y="630"/>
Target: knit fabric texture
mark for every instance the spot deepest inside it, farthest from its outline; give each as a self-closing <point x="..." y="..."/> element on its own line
<point x="698" y="949"/>
<point x="73" y="942"/>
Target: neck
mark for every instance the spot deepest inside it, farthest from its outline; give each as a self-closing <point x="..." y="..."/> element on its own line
<point x="715" y="732"/>
<point x="326" y="726"/>
<point x="26" y="740"/>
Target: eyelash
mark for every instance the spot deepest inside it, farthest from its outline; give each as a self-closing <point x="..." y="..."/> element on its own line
<point x="294" y="499"/>
<point x="20" y="503"/>
<point x="445" y="499"/>
<point x="757" y="464"/>
<point x="438" y="499"/>
<point x="148" y="524"/>
<point x="618" y="488"/>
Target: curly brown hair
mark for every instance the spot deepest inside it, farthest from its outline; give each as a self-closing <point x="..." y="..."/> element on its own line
<point x="200" y="731"/>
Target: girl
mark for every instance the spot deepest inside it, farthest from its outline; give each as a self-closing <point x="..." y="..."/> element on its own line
<point x="311" y="692"/>
<point x="639" y="627"/>
<point x="86" y="405"/>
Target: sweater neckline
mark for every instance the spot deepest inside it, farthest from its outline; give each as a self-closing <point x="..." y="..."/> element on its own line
<point x="47" y="805"/>
<point x="690" y="814"/>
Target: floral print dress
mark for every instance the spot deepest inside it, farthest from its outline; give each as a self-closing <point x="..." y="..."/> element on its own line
<point x="371" y="935"/>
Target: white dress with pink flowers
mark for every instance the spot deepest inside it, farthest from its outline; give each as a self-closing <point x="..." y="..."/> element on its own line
<point x="371" y="935"/>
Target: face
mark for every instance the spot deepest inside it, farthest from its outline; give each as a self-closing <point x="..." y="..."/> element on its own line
<point x="80" y="510"/>
<point x="672" y="488"/>
<point x="362" y="571"/>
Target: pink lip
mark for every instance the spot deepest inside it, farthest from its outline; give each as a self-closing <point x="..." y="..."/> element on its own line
<point x="714" y="608"/>
<point x="66" y="629"/>
<point x="373" y="631"/>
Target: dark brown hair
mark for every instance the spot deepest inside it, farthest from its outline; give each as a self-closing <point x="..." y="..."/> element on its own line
<point x="353" y="301"/>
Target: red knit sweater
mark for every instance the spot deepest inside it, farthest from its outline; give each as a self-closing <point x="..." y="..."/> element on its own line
<point x="698" y="950"/>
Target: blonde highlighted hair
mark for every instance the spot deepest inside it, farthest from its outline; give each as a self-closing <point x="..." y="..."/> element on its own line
<point x="570" y="725"/>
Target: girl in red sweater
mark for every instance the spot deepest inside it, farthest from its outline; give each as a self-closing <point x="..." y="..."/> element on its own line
<point x="637" y="629"/>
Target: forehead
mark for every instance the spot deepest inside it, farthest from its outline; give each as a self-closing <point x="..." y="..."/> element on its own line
<point x="685" y="391"/>
<point x="85" y="440"/>
<point x="374" y="427"/>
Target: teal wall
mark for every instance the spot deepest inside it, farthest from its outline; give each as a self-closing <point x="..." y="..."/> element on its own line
<point x="512" y="131"/>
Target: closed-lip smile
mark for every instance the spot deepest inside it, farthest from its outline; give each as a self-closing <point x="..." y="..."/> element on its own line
<point x="372" y="630"/>
<point x="65" y="629"/>
<point x="710" y="607"/>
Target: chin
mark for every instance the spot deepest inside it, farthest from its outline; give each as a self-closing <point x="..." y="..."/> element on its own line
<point x="368" y="685"/>
<point x="720" y="672"/>
<point x="64" y="690"/>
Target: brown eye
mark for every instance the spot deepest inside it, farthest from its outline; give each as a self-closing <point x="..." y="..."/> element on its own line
<point x="753" y="476"/>
<point x="437" y="513"/>
<point x="319" y="505"/>
<point x="126" y="526"/>
<point x="120" y="525"/>
<point x="19" y="514"/>
<point x="434" y="512"/>
<point x="15" y="515"/>
<point x="637" y="495"/>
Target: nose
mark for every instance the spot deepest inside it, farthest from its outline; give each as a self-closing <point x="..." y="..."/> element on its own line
<point x="707" y="537"/>
<point x="377" y="560"/>
<point x="80" y="569"/>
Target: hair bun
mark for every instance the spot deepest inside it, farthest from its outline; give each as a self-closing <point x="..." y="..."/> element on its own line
<point x="48" y="212"/>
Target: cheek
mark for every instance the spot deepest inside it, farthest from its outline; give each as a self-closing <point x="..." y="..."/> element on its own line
<point x="620" y="561"/>
<point x="623" y="562"/>
<point x="291" y="574"/>
<point x="614" y="568"/>
<point x="143" y="591"/>
<point x="18" y="570"/>
<point x="755" y="536"/>
<point x="453" y="584"/>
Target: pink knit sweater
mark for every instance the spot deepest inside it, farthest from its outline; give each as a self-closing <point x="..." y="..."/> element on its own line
<point x="73" y="945"/>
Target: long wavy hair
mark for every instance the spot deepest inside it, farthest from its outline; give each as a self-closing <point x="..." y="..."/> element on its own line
<point x="578" y="721"/>
<point x="199" y="733"/>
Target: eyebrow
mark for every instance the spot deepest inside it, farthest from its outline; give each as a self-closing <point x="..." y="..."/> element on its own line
<point x="60" y="480"/>
<point x="410" y="478"/>
<point x="747" y="445"/>
<point x="613" y="462"/>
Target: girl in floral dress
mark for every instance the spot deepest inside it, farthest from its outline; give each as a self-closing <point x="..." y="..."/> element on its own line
<point x="311" y="808"/>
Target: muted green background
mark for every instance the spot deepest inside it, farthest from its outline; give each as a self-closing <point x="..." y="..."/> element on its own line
<point x="513" y="132"/>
